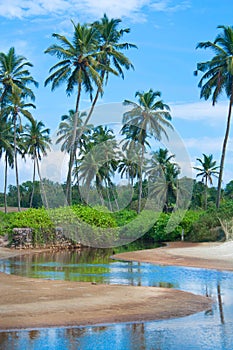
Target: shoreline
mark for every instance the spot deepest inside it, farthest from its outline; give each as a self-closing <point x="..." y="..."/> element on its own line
<point x="36" y="303"/>
<point x="217" y="256"/>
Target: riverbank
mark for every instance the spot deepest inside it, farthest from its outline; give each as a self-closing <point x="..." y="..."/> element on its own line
<point x="217" y="256"/>
<point x="33" y="303"/>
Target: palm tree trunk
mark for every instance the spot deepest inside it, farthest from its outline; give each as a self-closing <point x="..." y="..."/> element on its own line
<point x="108" y="194"/>
<point x="91" y="109"/>
<point x="73" y="150"/>
<point x="206" y="193"/>
<point x="115" y="198"/>
<point x="94" y="102"/>
<point x="41" y="183"/>
<point x="16" y="166"/>
<point x="224" y="151"/>
<point x="33" y="181"/>
<point x="5" y="185"/>
<point x="140" y="182"/>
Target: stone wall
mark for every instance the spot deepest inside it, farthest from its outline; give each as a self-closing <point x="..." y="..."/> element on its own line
<point x="22" y="238"/>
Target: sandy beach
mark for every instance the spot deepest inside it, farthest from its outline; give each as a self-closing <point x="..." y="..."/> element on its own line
<point x="33" y="303"/>
<point x="217" y="256"/>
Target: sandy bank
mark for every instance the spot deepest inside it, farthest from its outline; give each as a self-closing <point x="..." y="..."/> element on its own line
<point x="28" y="303"/>
<point x="203" y="255"/>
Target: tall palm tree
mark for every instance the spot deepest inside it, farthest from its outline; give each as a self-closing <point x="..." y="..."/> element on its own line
<point x="207" y="170"/>
<point x="14" y="75"/>
<point x="218" y="77"/>
<point x="6" y="147"/>
<point x="77" y="67"/>
<point x="109" y="52"/>
<point x="151" y="116"/>
<point x="37" y="143"/>
<point x="16" y="110"/>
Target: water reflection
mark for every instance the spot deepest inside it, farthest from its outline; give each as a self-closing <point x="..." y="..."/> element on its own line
<point x="207" y="330"/>
<point x="220" y="304"/>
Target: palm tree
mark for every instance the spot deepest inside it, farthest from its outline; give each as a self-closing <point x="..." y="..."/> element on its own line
<point x="207" y="170"/>
<point x="99" y="162"/>
<point x="110" y="54"/>
<point x="66" y="128"/>
<point x="6" y="147"/>
<point x="78" y="67"/>
<point x="163" y="174"/>
<point x="105" y="139"/>
<point x="128" y="165"/>
<point x="89" y="169"/>
<point x="65" y="134"/>
<point x="14" y="75"/>
<point x="151" y="117"/>
<point x="17" y="109"/>
<point x="37" y="142"/>
<point x="218" y="77"/>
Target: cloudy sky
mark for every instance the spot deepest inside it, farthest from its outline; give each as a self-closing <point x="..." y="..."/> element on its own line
<point x="166" y="33"/>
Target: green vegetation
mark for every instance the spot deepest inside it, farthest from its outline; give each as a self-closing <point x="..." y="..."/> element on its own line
<point x="44" y="222"/>
<point x="208" y="227"/>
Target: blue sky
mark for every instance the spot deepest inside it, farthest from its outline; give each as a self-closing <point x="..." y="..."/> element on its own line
<point x="166" y="33"/>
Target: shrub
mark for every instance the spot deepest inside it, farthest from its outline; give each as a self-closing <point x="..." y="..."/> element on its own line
<point x="163" y="227"/>
<point x="124" y="216"/>
<point x="82" y="219"/>
<point x="208" y="227"/>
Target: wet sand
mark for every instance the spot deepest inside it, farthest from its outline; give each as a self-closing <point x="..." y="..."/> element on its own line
<point x="34" y="303"/>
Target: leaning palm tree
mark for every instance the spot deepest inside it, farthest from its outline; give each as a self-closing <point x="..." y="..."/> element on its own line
<point x="218" y="77"/>
<point x="206" y="171"/>
<point x="17" y="109"/>
<point x="152" y="117"/>
<point x="14" y="75"/>
<point x="78" y="67"/>
<point x="37" y="143"/>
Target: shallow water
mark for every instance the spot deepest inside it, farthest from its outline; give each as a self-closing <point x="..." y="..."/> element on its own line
<point x="211" y="330"/>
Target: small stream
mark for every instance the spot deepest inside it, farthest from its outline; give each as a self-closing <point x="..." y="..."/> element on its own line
<point x="210" y="330"/>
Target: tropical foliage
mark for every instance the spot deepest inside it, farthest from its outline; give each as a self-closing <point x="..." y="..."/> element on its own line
<point x="149" y="174"/>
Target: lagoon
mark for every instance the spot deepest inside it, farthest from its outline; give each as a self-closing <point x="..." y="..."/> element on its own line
<point x="205" y="330"/>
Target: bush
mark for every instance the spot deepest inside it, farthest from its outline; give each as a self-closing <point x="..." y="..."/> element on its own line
<point x="77" y="223"/>
<point x="122" y="217"/>
<point x="36" y="219"/>
<point x="208" y="227"/>
<point x="163" y="227"/>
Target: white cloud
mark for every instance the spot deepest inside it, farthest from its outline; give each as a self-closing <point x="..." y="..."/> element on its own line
<point x="131" y="8"/>
<point x="200" y="111"/>
<point x="169" y="6"/>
